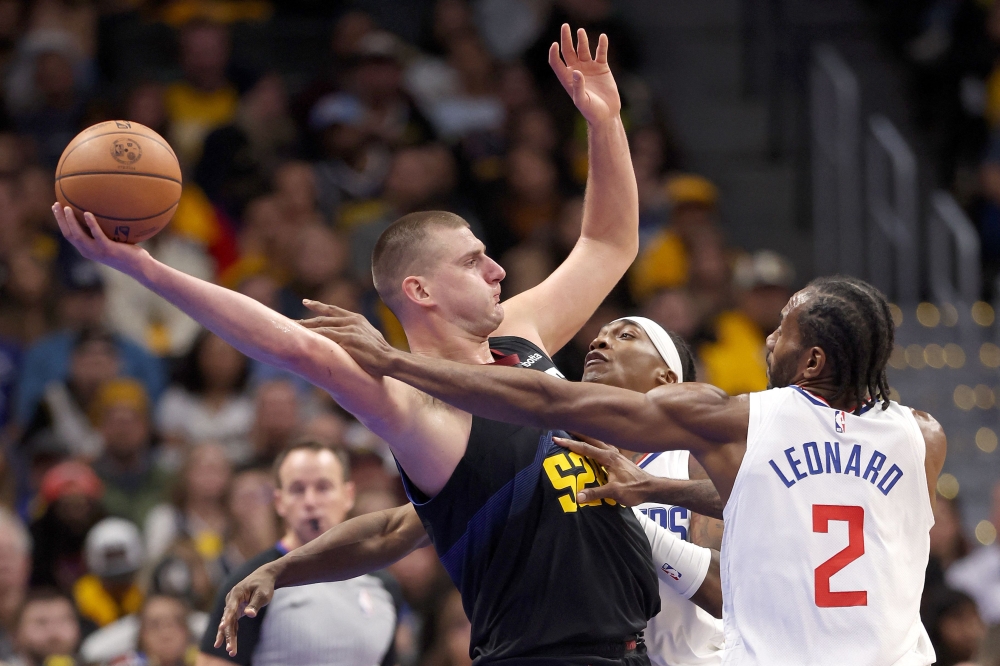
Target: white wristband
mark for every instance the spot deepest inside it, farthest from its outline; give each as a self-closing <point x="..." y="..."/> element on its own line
<point x="680" y="564"/>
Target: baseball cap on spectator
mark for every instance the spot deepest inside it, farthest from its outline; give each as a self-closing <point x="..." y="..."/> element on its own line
<point x="336" y="109"/>
<point x="71" y="478"/>
<point x="113" y="548"/>
<point x="119" y="392"/>
<point x="691" y="189"/>
<point x="378" y="45"/>
<point x="763" y="268"/>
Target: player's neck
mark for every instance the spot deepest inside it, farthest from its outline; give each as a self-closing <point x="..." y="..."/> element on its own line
<point x="828" y="394"/>
<point x="448" y="342"/>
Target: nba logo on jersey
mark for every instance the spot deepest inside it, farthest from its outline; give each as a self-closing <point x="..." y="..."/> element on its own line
<point x="670" y="571"/>
<point x="839" y="421"/>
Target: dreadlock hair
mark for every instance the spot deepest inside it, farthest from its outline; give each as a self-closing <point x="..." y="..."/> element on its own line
<point x="851" y="321"/>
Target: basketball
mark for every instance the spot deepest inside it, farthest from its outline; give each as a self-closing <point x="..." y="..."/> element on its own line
<point x="124" y="173"/>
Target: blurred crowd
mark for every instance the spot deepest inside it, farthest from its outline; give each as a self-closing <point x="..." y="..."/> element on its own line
<point x="135" y="469"/>
<point x="952" y="52"/>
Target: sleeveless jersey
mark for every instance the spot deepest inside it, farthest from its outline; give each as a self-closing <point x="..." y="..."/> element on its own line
<point x="542" y="578"/>
<point x="826" y="538"/>
<point x="682" y="634"/>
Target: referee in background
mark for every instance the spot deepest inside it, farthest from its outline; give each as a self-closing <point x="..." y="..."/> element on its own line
<point x="349" y="623"/>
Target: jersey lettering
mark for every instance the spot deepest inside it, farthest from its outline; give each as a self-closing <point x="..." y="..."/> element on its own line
<point x="801" y="464"/>
<point x="674" y="518"/>
<point x="572" y="472"/>
<point x="854" y="516"/>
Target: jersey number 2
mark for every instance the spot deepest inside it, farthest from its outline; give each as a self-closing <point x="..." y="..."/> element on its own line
<point x="854" y="516"/>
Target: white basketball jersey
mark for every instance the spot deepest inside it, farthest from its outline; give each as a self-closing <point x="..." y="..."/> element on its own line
<point x="826" y="538"/>
<point x="682" y="634"/>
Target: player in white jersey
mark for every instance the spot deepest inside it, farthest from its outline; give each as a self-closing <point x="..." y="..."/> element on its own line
<point x="683" y="633"/>
<point x="829" y="484"/>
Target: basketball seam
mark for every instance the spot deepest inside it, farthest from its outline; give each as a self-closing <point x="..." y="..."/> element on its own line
<point x="116" y="219"/>
<point x="97" y="136"/>
<point x="116" y="173"/>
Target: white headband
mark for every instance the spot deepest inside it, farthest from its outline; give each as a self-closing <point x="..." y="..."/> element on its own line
<point x="662" y="341"/>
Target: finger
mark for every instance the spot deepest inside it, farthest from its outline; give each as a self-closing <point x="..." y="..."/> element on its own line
<point x="602" y="49"/>
<point x="257" y="601"/>
<point x="95" y="229"/>
<point x="608" y="491"/>
<point x="602" y="456"/>
<point x="562" y="72"/>
<point x="595" y="442"/>
<point x="566" y="39"/>
<point x="323" y="308"/>
<point x="322" y="322"/>
<point x="579" y="87"/>
<point x="583" y="46"/>
<point x="68" y="225"/>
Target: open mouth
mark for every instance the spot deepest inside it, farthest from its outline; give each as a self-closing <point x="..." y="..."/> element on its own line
<point x="593" y="358"/>
<point x="314" y="524"/>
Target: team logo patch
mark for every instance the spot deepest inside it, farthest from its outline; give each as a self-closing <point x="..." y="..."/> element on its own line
<point x="839" y="421"/>
<point x="670" y="571"/>
<point x="126" y="151"/>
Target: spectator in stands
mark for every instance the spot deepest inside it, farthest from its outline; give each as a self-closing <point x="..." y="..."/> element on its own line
<point x="978" y="574"/>
<point x="109" y="590"/>
<point x="15" y="571"/>
<point x="162" y="636"/>
<point x="24" y="293"/>
<point x="239" y="159"/>
<point x="134" y="482"/>
<point x="71" y="493"/>
<point x="321" y="258"/>
<point x="205" y="98"/>
<point x="948" y="542"/>
<point x="311" y="622"/>
<point x="48" y="630"/>
<point x="278" y="417"/>
<point x="65" y="405"/>
<point x="208" y="399"/>
<point x="197" y="508"/>
<point x="954" y="626"/>
<point x="253" y="523"/>
<point x="81" y="306"/>
<point x="453" y="631"/>
<point x="735" y="361"/>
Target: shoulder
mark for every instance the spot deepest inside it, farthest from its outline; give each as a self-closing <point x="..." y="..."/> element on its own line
<point x="934" y="437"/>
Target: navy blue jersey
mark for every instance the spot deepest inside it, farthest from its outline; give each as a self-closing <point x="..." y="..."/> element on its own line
<point x="542" y="578"/>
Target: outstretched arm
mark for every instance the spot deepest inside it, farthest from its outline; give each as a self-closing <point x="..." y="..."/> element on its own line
<point x="353" y="548"/>
<point x="551" y="313"/>
<point x="247" y="325"/>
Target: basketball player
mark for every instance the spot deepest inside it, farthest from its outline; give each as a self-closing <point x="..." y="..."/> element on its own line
<point x="562" y="598"/>
<point x="832" y="572"/>
<point x="636" y="354"/>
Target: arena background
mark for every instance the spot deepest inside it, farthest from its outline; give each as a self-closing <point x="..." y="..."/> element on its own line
<point x="773" y="141"/>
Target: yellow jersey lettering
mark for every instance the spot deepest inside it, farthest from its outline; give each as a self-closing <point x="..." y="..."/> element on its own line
<point x="555" y="466"/>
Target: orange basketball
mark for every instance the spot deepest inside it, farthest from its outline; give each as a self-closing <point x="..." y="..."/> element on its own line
<point x="124" y="173"/>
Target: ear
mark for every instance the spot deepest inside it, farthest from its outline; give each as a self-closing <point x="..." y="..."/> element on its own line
<point x="415" y="291"/>
<point x="350" y="494"/>
<point x="665" y="376"/>
<point x="279" y="505"/>
<point x="815" y="362"/>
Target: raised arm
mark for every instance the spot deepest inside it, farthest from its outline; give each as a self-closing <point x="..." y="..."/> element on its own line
<point x="355" y="547"/>
<point x="551" y="313"/>
<point x="247" y="325"/>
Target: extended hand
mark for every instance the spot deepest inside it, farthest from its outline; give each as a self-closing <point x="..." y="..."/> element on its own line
<point x="246" y="598"/>
<point x="587" y="79"/>
<point x="626" y="482"/>
<point x="96" y="246"/>
<point x="352" y="332"/>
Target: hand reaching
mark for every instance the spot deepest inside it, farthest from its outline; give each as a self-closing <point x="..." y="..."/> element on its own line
<point x="626" y="480"/>
<point x="352" y="332"/>
<point x="586" y="78"/>
<point x="246" y="598"/>
<point x="96" y="246"/>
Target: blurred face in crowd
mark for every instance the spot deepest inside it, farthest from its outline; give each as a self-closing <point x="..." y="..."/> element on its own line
<point x="531" y="175"/>
<point x="277" y="415"/>
<point x="673" y="310"/>
<point x="220" y="364"/>
<point x="763" y="305"/>
<point x="268" y="99"/>
<point x="418" y="176"/>
<point x="208" y="472"/>
<point x="126" y="432"/>
<point x="163" y="634"/>
<point x="80" y="308"/>
<point x="205" y="55"/>
<point x="962" y="631"/>
<point x="146" y="105"/>
<point x="250" y="505"/>
<point x="92" y="363"/>
<point x="377" y="80"/>
<point x="15" y="563"/>
<point x="54" y="78"/>
<point x="48" y="627"/>
<point x="622" y="355"/>
<point x="461" y="282"/>
<point x="946" y="532"/>
<point x="322" y="256"/>
<point x="314" y="494"/>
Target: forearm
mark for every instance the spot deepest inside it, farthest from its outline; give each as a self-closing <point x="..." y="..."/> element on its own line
<point x="698" y="496"/>
<point x="355" y="547"/>
<point x="247" y="325"/>
<point x="709" y="594"/>
<point x="611" y="204"/>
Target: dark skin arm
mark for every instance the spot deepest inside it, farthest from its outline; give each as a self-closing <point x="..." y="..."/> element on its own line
<point x="619" y="469"/>
<point x="353" y="548"/>
<point x="698" y="417"/>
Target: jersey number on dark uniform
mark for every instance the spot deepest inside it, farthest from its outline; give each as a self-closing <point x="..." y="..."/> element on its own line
<point x="572" y="472"/>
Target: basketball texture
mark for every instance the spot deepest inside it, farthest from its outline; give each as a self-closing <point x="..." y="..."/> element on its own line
<point x="124" y="173"/>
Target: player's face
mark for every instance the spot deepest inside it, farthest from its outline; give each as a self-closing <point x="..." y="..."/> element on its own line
<point x="784" y="345"/>
<point x="314" y="495"/>
<point x="464" y="284"/>
<point x="622" y="355"/>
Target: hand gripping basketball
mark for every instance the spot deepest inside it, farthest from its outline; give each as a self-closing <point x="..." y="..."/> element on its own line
<point x="354" y="333"/>
<point x="96" y="246"/>
<point x="246" y="598"/>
